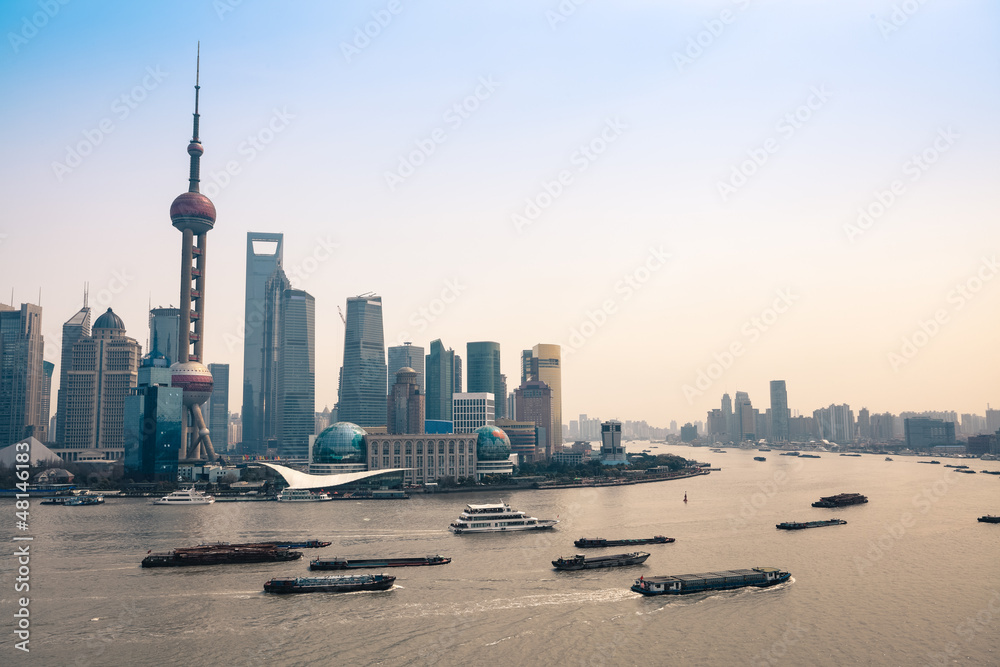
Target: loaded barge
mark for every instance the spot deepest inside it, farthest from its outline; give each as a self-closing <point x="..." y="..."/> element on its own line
<point x="841" y="500"/>
<point x="793" y="525"/>
<point x="680" y="584"/>
<point x="580" y="562"/>
<point x="221" y="554"/>
<point x="338" y="583"/>
<point x="989" y="518"/>
<point x="353" y="563"/>
<point x="592" y="542"/>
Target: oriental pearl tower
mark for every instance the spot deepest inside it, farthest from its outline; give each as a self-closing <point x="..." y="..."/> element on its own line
<point x="194" y="215"/>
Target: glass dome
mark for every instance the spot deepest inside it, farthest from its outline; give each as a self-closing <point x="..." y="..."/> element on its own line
<point x="492" y="444"/>
<point x="343" y="442"/>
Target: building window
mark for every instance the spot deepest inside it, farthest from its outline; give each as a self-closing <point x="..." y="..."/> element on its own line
<point x="420" y="448"/>
<point x="395" y="462"/>
<point x="420" y="462"/>
<point x="409" y="461"/>
<point x="385" y="461"/>
<point x="409" y="448"/>
<point x="395" y="449"/>
<point x="451" y="447"/>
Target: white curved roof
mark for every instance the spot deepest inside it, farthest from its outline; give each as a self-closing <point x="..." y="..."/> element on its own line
<point x="303" y="480"/>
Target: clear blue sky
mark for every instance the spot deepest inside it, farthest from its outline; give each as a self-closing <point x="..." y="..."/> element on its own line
<point x="819" y="107"/>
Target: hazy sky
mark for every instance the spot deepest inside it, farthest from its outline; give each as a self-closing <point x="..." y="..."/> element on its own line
<point x="652" y="185"/>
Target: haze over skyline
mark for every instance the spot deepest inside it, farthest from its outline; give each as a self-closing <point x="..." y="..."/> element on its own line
<point x="770" y="190"/>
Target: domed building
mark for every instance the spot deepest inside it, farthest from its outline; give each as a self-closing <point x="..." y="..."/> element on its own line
<point x="492" y="452"/>
<point x="342" y="447"/>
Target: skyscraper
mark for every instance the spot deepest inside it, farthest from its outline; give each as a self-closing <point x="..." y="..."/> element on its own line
<point x="533" y="403"/>
<point x="743" y="418"/>
<point x="73" y="330"/>
<point x="363" y="384"/>
<point x="105" y="367"/>
<point x="407" y="355"/>
<point x="296" y="373"/>
<point x="21" y="373"/>
<point x="484" y="372"/>
<point x="264" y="257"/>
<point x="48" y="369"/>
<point x="193" y="214"/>
<point x="406" y="411"/>
<point x="727" y="416"/>
<point x="218" y="405"/>
<point x="440" y="381"/>
<point x="268" y="399"/>
<point x="548" y="359"/>
<point x="164" y="332"/>
<point x="458" y="374"/>
<point x="154" y="415"/>
<point x="779" y="411"/>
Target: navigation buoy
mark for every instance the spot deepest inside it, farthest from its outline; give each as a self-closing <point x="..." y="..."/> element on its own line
<point x="685" y="496"/>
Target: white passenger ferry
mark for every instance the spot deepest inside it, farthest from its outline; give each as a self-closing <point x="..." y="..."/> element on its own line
<point x="185" y="497"/>
<point x="302" y="496"/>
<point x="495" y="519"/>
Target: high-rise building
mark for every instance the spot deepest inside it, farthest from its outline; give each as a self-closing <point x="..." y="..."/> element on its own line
<point x="457" y="373"/>
<point x="527" y="371"/>
<point x="264" y="257"/>
<point x="864" y="424"/>
<point x="363" y="387"/>
<point x="440" y="381"/>
<point x="406" y="412"/>
<point x="548" y="359"/>
<point x="779" y="411"/>
<point x="296" y="373"/>
<point x="612" y="451"/>
<point x="73" y="330"/>
<point x="193" y="214"/>
<point x="22" y="375"/>
<point x="835" y="423"/>
<point x="743" y="417"/>
<point x="48" y="369"/>
<point x="154" y="416"/>
<point x="164" y="332"/>
<point x="727" y="415"/>
<point x="218" y="405"/>
<point x="484" y="371"/>
<point x="105" y="367"/>
<point x="992" y="419"/>
<point x="533" y="403"/>
<point x="473" y="410"/>
<point x="407" y="355"/>
<point x="268" y="400"/>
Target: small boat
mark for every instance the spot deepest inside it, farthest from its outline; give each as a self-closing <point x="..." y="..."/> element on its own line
<point x="949" y="465"/>
<point x="966" y="471"/>
<point x="991" y="472"/>
<point x="84" y="500"/>
<point x="185" y="497"/>
<point x="763" y="449"/>
<point x="850" y="454"/>
<point x="592" y="542"/>
<point x="307" y="544"/>
<point x="888" y="458"/>
<point x="841" y="500"/>
<point x="789" y="454"/>
<point x="934" y="462"/>
<point x="989" y="518"/>
<point x="580" y="562"/>
<point x="760" y="458"/>
<point x="724" y="580"/>
<point x="338" y="583"/>
<point x="302" y="496"/>
<point x="794" y="525"/>
<point x="353" y="563"/>
<point x="809" y="456"/>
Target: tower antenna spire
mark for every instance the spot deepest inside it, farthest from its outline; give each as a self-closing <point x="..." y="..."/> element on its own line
<point x="195" y="149"/>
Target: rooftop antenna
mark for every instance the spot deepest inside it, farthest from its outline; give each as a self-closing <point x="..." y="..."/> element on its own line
<point x="86" y="293"/>
<point x="194" y="148"/>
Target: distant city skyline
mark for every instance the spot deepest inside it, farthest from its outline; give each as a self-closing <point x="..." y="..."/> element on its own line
<point x="804" y="196"/>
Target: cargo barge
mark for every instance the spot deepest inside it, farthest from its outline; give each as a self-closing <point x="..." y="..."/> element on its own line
<point x="760" y="458"/>
<point x="354" y="563"/>
<point x="593" y="542"/>
<point x="221" y="554"/>
<point x="580" y="562"/>
<point x="989" y="518"/>
<point x="841" y="500"/>
<point x="338" y="583"/>
<point x="307" y="544"/>
<point x="681" y="584"/>
<point x="794" y="525"/>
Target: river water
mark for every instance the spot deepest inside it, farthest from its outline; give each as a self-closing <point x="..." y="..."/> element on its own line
<point x="912" y="579"/>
